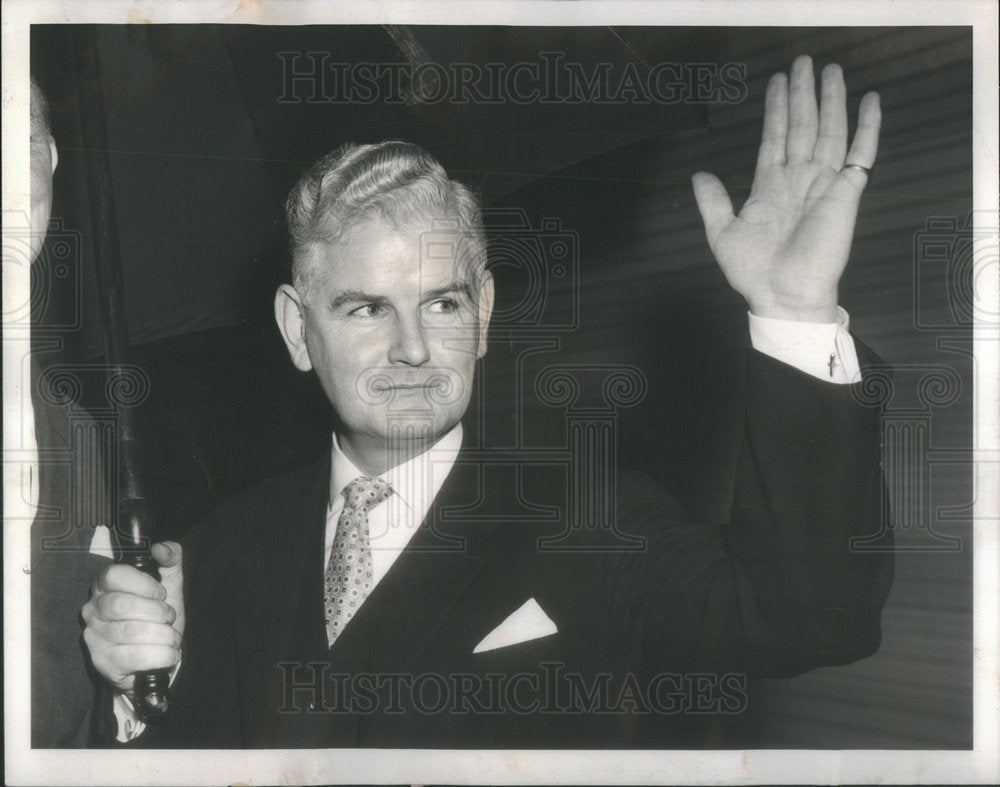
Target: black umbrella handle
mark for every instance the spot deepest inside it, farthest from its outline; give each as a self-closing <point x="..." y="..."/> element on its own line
<point x="151" y="691"/>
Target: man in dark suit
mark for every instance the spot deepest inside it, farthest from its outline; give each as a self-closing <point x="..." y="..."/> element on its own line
<point x="387" y="596"/>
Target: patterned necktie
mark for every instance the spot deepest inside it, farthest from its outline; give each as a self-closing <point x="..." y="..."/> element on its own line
<point x="349" y="572"/>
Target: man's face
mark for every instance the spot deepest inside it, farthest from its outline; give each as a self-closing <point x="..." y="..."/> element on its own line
<point x="393" y="326"/>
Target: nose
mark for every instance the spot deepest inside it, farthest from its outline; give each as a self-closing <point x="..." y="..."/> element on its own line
<point x="409" y="342"/>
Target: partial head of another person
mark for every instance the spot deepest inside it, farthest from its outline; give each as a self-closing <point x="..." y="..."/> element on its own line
<point x="44" y="158"/>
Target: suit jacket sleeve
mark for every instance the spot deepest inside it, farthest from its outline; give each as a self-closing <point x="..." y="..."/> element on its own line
<point x="780" y="589"/>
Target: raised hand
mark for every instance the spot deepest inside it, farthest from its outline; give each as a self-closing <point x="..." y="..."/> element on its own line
<point x="787" y="248"/>
<point x="133" y="622"/>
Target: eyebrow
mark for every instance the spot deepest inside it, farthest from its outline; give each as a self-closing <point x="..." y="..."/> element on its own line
<point x="360" y="296"/>
<point x="455" y="288"/>
<point x="354" y="296"/>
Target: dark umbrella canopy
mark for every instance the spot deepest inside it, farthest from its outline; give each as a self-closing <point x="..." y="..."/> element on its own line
<point x="209" y="126"/>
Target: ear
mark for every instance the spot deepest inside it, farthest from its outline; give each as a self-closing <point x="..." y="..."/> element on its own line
<point x="485" y="310"/>
<point x="53" y="154"/>
<point x="289" y="313"/>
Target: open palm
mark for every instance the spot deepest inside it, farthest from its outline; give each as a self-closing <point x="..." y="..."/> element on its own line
<point x="787" y="248"/>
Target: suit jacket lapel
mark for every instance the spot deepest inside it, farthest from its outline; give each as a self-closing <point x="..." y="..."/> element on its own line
<point x="421" y="589"/>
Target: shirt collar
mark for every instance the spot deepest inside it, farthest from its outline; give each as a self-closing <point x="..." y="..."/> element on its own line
<point x="416" y="482"/>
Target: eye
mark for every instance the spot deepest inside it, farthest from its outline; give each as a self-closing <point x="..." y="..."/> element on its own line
<point x="368" y="310"/>
<point x="443" y="306"/>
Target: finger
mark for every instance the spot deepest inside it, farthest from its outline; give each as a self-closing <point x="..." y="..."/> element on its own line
<point x="127" y="659"/>
<point x="138" y="632"/>
<point x="126" y="606"/>
<point x="713" y="203"/>
<point x="865" y="143"/>
<point x="772" y="138"/>
<point x="168" y="554"/>
<point x="831" y="143"/>
<point x="123" y="578"/>
<point x="802" y="113"/>
<point x="117" y="662"/>
<point x="863" y="148"/>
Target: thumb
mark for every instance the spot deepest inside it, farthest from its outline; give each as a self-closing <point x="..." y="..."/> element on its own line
<point x="713" y="203"/>
<point x="169" y="554"/>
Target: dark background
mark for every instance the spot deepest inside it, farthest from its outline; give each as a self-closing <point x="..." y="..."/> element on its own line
<point x="203" y="151"/>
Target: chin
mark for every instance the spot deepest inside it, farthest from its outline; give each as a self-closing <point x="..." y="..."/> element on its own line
<point x="416" y="429"/>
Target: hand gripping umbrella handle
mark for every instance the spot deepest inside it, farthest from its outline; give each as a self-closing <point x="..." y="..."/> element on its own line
<point x="151" y="691"/>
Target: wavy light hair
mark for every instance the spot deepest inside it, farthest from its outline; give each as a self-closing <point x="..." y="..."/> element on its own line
<point x="396" y="182"/>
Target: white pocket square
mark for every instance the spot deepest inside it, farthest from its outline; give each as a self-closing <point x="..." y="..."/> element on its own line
<point x="525" y="623"/>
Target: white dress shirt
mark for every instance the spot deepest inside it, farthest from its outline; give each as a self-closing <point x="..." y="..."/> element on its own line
<point x="823" y="350"/>
<point x="392" y="523"/>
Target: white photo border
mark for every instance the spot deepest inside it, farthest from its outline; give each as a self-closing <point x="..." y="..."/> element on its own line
<point x="982" y="765"/>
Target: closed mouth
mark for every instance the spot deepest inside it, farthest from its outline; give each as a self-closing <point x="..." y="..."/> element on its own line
<point x="406" y="387"/>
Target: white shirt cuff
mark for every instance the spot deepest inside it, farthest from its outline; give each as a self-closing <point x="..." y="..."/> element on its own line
<point x="130" y="726"/>
<point x="100" y="542"/>
<point x="824" y="350"/>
